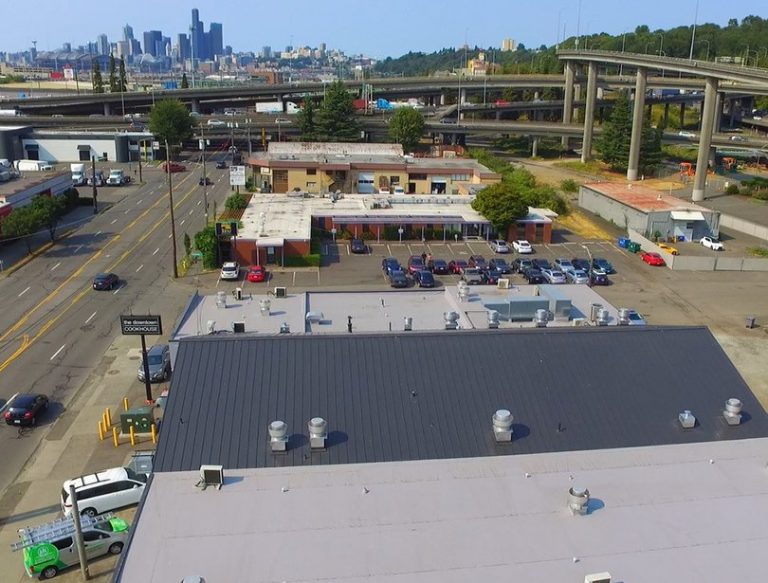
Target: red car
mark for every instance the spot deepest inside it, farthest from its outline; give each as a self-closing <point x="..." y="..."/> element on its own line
<point x="173" y="167"/>
<point x="256" y="274"/>
<point x="652" y="258"/>
<point x="457" y="266"/>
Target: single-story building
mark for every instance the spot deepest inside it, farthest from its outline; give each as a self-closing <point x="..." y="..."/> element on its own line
<point x="649" y="212"/>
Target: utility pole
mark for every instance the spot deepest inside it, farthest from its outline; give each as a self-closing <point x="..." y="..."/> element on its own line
<point x="79" y="534"/>
<point x="170" y="199"/>
<point x="141" y="155"/>
<point x="93" y="175"/>
<point x="205" y="176"/>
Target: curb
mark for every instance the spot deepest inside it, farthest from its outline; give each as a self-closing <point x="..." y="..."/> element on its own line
<point x="36" y="253"/>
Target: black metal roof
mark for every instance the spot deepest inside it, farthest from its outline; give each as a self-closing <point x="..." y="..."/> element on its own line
<point x="414" y="396"/>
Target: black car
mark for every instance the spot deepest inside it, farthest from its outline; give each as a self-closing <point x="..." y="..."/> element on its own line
<point x="358" y="246"/>
<point x="520" y="264"/>
<point x="104" y="281"/>
<point x="397" y="279"/>
<point x="598" y="278"/>
<point x="582" y="264"/>
<point x="440" y="267"/>
<point x="390" y="264"/>
<point x="533" y="275"/>
<point x="500" y="265"/>
<point x="492" y="276"/>
<point x="221" y="164"/>
<point x="205" y="181"/>
<point x="424" y="278"/>
<point x="24" y="409"/>
<point x="604" y="264"/>
<point x="478" y="261"/>
<point x="541" y="264"/>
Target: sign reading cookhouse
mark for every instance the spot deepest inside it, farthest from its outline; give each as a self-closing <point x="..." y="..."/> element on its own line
<point x="137" y="325"/>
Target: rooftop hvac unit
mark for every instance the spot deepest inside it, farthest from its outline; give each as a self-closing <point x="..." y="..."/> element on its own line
<point x="577" y="322"/>
<point x="451" y="320"/>
<point x="281" y="292"/>
<point x="278" y="436"/>
<point x="687" y="419"/>
<point x="502" y="426"/>
<point x="314" y="317"/>
<point x="503" y="283"/>
<point x="318" y="432"/>
<point x="408" y="323"/>
<point x="221" y="299"/>
<point x="623" y="317"/>
<point x="578" y="500"/>
<point x="264" y="307"/>
<point x="210" y="326"/>
<point x="211" y="476"/>
<point x="493" y="319"/>
<point x="593" y="308"/>
<point x="238" y="327"/>
<point x="238" y="293"/>
<point x="541" y="318"/>
<point x="602" y="317"/>
<point x="732" y="412"/>
<point x="604" y="577"/>
<point x="463" y="290"/>
<point x="285" y="328"/>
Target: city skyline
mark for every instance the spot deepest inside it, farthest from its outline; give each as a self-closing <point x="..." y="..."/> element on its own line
<point x="349" y="27"/>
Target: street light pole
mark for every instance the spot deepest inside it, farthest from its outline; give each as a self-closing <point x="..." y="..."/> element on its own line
<point x="205" y="176"/>
<point x="170" y="199"/>
<point x="693" y="35"/>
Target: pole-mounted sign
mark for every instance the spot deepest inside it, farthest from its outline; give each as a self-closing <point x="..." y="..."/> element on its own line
<point x="140" y="325"/>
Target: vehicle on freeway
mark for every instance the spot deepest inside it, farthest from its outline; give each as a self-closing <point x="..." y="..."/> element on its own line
<point x="533" y="275"/>
<point x="499" y="246"/>
<point x="390" y="264"/>
<point x="221" y="164"/>
<point x="685" y="134"/>
<point x="576" y="276"/>
<point x="492" y="276"/>
<point x="216" y="123"/>
<point x="103" y="491"/>
<point x="499" y="265"/>
<point x="477" y="261"/>
<point x="159" y="362"/>
<point x="397" y="278"/>
<point x="256" y="274"/>
<point x="105" y="281"/>
<point x="473" y="276"/>
<point x="541" y="264"/>
<point x="358" y="246"/>
<point x="415" y="263"/>
<point x="564" y="265"/>
<point x="520" y="264"/>
<point x="50" y="548"/>
<point x="603" y="264"/>
<point x="668" y="248"/>
<point x="652" y="259"/>
<point x="424" y="278"/>
<point x="230" y="270"/>
<point x="553" y="276"/>
<point x="457" y="266"/>
<point x="204" y="181"/>
<point x="635" y="319"/>
<point x="582" y="264"/>
<point x="712" y="243"/>
<point x="439" y="267"/>
<point x="522" y="246"/>
<point x="24" y="408"/>
<point x="738" y="139"/>
<point x="173" y="167"/>
<point x="598" y="278"/>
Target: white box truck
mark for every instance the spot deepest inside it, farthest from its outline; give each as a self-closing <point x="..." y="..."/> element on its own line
<point x="78" y="174"/>
<point x="33" y="166"/>
<point x="277" y="107"/>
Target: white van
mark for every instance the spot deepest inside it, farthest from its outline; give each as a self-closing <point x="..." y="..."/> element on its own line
<point x="33" y="166"/>
<point x="104" y="491"/>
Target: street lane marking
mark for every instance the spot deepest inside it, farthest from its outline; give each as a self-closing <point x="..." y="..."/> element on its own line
<point x="182" y="222"/>
<point x="193" y="210"/>
<point x="55" y="266"/>
<point x="25" y="291"/>
<point x="113" y="222"/>
<point x="90" y="317"/>
<point x="117" y="290"/>
<point x="55" y="354"/>
<point x="127" y="211"/>
<point x="138" y="202"/>
<point x="155" y="251"/>
<point x="199" y="202"/>
<point x="139" y="268"/>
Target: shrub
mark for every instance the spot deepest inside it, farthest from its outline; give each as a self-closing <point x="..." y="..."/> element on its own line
<point x="569" y="185"/>
<point x="311" y="260"/>
<point x="760" y="194"/>
<point x="368" y="236"/>
<point x="235" y="202"/>
<point x="732" y="189"/>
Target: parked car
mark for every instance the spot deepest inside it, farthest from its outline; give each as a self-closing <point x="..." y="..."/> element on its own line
<point x="603" y="264"/>
<point x="533" y="275"/>
<point x="635" y="319"/>
<point x="598" y="278"/>
<point x="576" y="276"/>
<point x="457" y="266"/>
<point x="415" y="263"/>
<point x="564" y="265"/>
<point x="221" y="165"/>
<point x="230" y="270"/>
<point x="521" y="264"/>
<point x="712" y="243"/>
<point x="553" y="276"/>
<point x="582" y="264"/>
<point x="105" y="281"/>
<point x="159" y="362"/>
<point x="24" y="409"/>
<point x="477" y="261"/>
<point x="500" y="265"/>
<point x="358" y="246"/>
<point x="173" y="167"/>
<point x="439" y="267"/>
<point x="256" y="274"/>
<point x="472" y="276"/>
<point x="499" y="246"/>
<point x="668" y="248"/>
<point x="652" y="258"/>
<point x="390" y="264"/>
<point x="541" y="264"/>
<point x="104" y="491"/>
<point x="522" y="246"/>
<point x="397" y="278"/>
<point x="424" y="278"/>
<point x="492" y="276"/>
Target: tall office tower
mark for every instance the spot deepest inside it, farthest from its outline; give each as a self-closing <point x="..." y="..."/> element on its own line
<point x="151" y="40"/>
<point x="184" y="48"/>
<point x="67" y="47"/>
<point x="508" y="44"/>
<point x="128" y="34"/>
<point x="103" y="43"/>
<point x="197" y="36"/>
<point x="134" y="47"/>
<point x="216" y="40"/>
<point x="266" y="52"/>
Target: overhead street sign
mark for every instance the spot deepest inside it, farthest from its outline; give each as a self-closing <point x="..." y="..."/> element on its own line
<point x="237" y="175"/>
<point x="137" y="325"/>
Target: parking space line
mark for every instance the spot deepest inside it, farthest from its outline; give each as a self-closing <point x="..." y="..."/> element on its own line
<point x="138" y="202"/>
<point x="29" y="287"/>
<point x="294" y="278"/>
<point x="97" y="233"/>
<point x="192" y="210"/>
<point x="155" y="251"/>
<point x="182" y="222"/>
<point x="127" y="211"/>
<point x="90" y="317"/>
<point x="55" y="266"/>
<point x="55" y="354"/>
<point x="139" y="268"/>
<point x="117" y="290"/>
<point x="389" y="250"/>
<point x="113" y="222"/>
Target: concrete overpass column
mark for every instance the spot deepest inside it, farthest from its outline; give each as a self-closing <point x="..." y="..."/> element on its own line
<point x="463" y="96"/>
<point x="666" y="114"/>
<point x="638" y="108"/>
<point x="705" y="138"/>
<point x="107" y="109"/>
<point x="196" y="105"/>
<point x="442" y="99"/>
<point x="732" y="119"/>
<point x="589" y="113"/>
<point x="535" y="147"/>
<point x="577" y="96"/>
<point x="718" y="112"/>
<point x="682" y="114"/>
<point x="568" y="98"/>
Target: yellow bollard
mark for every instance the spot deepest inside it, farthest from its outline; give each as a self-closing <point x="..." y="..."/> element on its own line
<point x="115" y="437"/>
<point x="109" y="418"/>
<point x="104" y="420"/>
<point x="153" y="431"/>
<point x="101" y="432"/>
<point x="133" y="436"/>
<point x="125" y="403"/>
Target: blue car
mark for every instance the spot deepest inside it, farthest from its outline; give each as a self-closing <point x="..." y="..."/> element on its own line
<point x="424" y="278"/>
<point x="390" y="264"/>
<point x="602" y="264"/>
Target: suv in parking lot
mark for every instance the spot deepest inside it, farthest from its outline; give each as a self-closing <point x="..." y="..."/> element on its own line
<point x="230" y="270"/>
<point x="477" y="261"/>
<point x="159" y="362"/>
<point x="473" y="276"/>
<point x="499" y="246"/>
<point x="104" y="491"/>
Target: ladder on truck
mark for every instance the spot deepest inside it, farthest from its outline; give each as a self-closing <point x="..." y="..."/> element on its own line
<point x="58" y="528"/>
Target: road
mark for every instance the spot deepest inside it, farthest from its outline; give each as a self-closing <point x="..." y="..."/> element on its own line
<point x="55" y="328"/>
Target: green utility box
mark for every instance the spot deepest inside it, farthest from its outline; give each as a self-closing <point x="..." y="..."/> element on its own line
<point x="140" y="418"/>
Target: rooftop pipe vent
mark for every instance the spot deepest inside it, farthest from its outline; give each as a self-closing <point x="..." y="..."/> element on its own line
<point x="578" y="500"/>
<point x="593" y="309"/>
<point x="493" y="319"/>
<point x="285" y="328"/>
<point x="687" y="419"/>
<point x="318" y="432"/>
<point x="623" y="316"/>
<point x="221" y="299"/>
<point x="502" y="426"/>
<point x="278" y="436"/>
<point x="408" y="323"/>
<point x="602" y="317"/>
<point x="541" y="318"/>
<point x="265" y="307"/>
<point x="451" y="320"/>
<point x="732" y="412"/>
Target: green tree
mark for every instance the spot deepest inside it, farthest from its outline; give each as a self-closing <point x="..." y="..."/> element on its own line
<point x="96" y="80"/>
<point x="113" y="85"/>
<point x="20" y="224"/>
<point x="184" y="81"/>
<point x="502" y="204"/>
<point x="613" y="145"/>
<point x="123" y="83"/>
<point x="235" y="202"/>
<point x="187" y="245"/>
<point x="47" y="210"/>
<point x="307" y="121"/>
<point x="651" y="154"/>
<point x="406" y="127"/>
<point x="206" y="242"/>
<point x="169" y="120"/>
<point x="336" y="121"/>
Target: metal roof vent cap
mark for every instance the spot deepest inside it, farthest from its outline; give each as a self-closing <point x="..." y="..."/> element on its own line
<point x="623" y="316"/>
<point x="451" y="320"/>
<point x="278" y="436"/>
<point x="578" y="500"/>
<point x="221" y="299"/>
<point x="408" y="323"/>
<point x="593" y="309"/>
<point x="502" y="425"/>
<point x="463" y="290"/>
<point x="732" y="412"/>
<point x="318" y="432"/>
<point x="687" y="419"/>
<point x="265" y="307"/>
<point x="493" y="319"/>
<point x="541" y="318"/>
<point x="602" y="317"/>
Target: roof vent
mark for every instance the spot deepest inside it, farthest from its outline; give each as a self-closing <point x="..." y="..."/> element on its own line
<point x="463" y="290"/>
<point x="238" y="327"/>
<point x="221" y="299"/>
<point x="211" y="476"/>
<point x="604" y="577"/>
<point x="502" y="425"/>
<point x="687" y="419"/>
<point x="593" y="308"/>
<point x="285" y="328"/>
<point x="541" y="318"/>
<point x="493" y="319"/>
<point x="318" y="432"/>
<point x="281" y="292"/>
<point x="602" y="317"/>
<point x="623" y="316"/>
<point x="278" y="436"/>
<point x="451" y="320"/>
<point x="210" y="326"/>
<point x="503" y="283"/>
<point x="264" y="307"/>
<point x="408" y="323"/>
<point x="578" y="500"/>
<point x="193" y="579"/>
<point x="314" y="317"/>
<point x="732" y="412"/>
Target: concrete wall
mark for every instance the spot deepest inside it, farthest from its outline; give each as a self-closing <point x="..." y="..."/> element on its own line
<point x="65" y="150"/>
<point x="611" y="210"/>
<point x="744" y="226"/>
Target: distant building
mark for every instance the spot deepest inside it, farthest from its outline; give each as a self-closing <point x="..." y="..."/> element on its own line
<point x="151" y="40"/>
<point x="508" y="44"/>
<point x="128" y="33"/>
<point x="216" y="39"/>
<point x="103" y="42"/>
<point x="184" y="48"/>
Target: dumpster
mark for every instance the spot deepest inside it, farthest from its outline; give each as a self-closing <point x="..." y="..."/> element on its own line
<point x="633" y="247"/>
<point x="623" y="242"/>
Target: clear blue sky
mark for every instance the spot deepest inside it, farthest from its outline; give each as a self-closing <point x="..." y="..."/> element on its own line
<point x="376" y="28"/>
